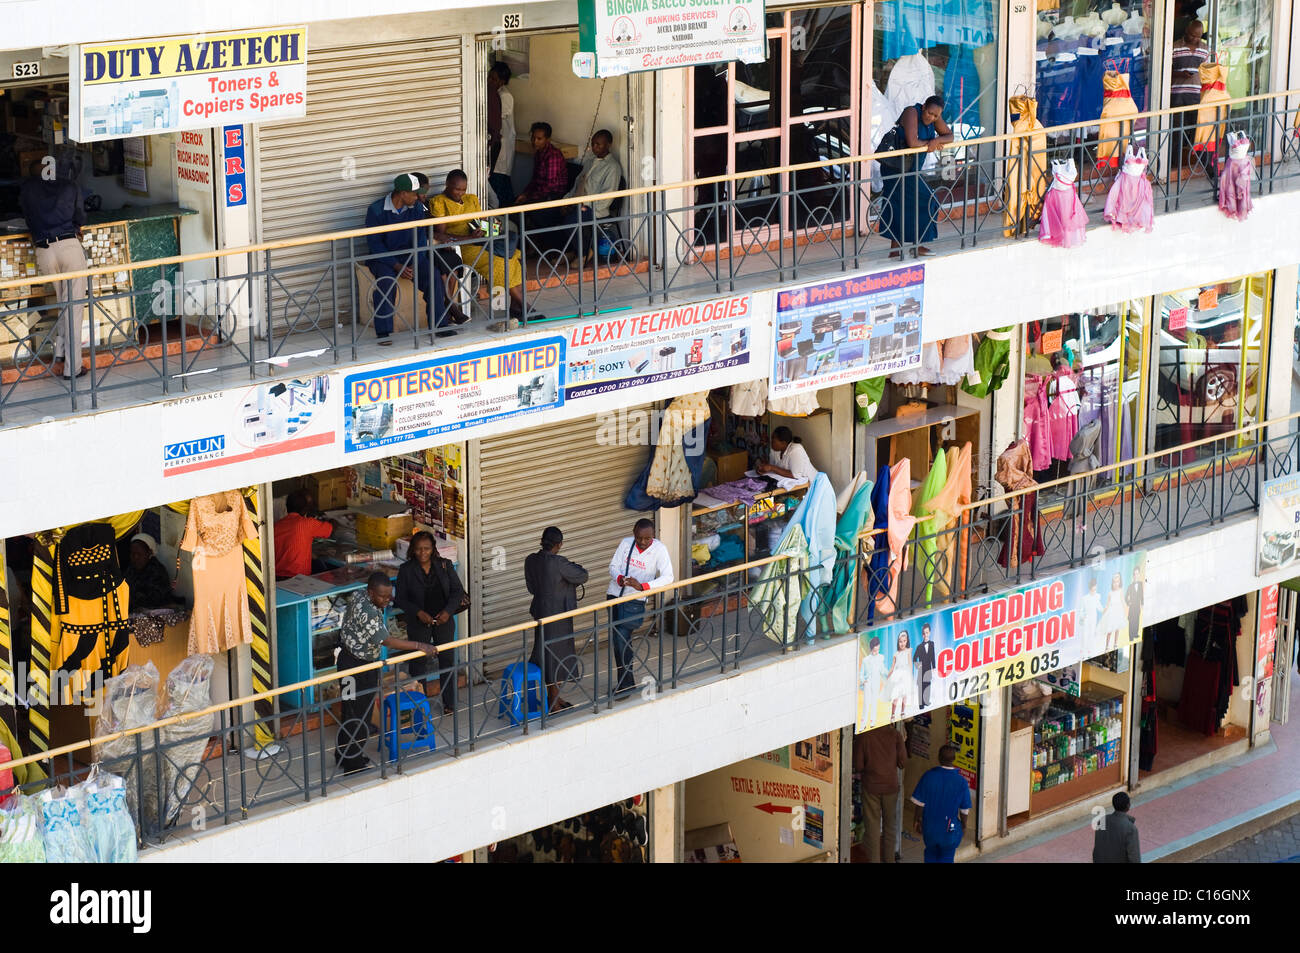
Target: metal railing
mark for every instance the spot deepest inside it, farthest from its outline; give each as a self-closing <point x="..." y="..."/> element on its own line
<point x="705" y="625"/>
<point x="309" y="303"/>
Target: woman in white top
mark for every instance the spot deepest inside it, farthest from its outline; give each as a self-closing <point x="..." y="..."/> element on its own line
<point x="1114" y="618"/>
<point x="789" y="458"/>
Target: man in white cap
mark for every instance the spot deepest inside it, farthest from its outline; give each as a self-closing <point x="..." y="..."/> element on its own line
<point x="394" y="255"/>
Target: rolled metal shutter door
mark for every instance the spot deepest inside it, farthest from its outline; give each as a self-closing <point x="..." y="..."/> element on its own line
<point x="550" y="476"/>
<point x="372" y="112"/>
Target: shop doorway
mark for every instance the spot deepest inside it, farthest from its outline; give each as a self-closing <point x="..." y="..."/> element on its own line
<point x="801" y="104"/>
<point x="1196" y="695"/>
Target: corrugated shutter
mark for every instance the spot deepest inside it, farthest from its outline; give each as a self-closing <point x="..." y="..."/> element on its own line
<point x="551" y="476"/>
<point x="372" y="112"/>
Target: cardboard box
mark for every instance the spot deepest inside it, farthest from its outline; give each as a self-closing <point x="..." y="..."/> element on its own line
<point x="381" y="525"/>
<point x="330" y="489"/>
<point x="731" y="466"/>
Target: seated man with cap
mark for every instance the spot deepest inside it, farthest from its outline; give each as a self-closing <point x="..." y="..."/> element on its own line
<point x="148" y="583"/>
<point x="394" y="257"/>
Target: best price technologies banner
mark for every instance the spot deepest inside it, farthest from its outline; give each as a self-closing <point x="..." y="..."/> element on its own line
<point x="985" y="644"/>
<point x="846" y="330"/>
<point x="143" y="87"/>
<point x="705" y="339"/>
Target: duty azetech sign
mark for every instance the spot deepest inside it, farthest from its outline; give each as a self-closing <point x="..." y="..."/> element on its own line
<point x="143" y="87"/>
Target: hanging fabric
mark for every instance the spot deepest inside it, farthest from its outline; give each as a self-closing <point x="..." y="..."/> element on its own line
<point x="90" y="606"/>
<point x="927" y="372"/>
<point x="1234" y="182"/>
<point x="1037" y="429"/>
<point x="898" y="528"/>
<point x="215" y="530"/>
<point x="1210" y="116"/>
<point x="1026" y="167"/>
<point x="958" y="359"/>
<point x="670" y="478"/>
<point x="796" y="405"/>
<point x="928" y="523"/>
<point x="1116" y="104"/>
<point x="878" y="570"/>
<point x="1064" y="223"/>
<point x="992" y="363"/>
<point x="749" y="398"/>
<point x="911" y="80"/>
<point x="1130" y="206"/>
<point x="1022" y="541"/>
<point x="866" y="398"/>
<point x="1062" y="411"/>
<point x="847" y="529"/>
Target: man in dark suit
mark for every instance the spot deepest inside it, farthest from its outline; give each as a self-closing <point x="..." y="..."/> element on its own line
<point x="925" y="663"/>
<point x="1115" y="840"/>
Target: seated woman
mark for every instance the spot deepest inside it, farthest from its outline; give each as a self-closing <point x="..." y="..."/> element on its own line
<point x="148" y="584"/>
<point x="495" y="261"/>
<point x="910" y="211"/>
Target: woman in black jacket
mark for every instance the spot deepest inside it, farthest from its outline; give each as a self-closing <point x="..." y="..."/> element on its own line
<point x="429" y="593"/>
<point x="554" y="581"/>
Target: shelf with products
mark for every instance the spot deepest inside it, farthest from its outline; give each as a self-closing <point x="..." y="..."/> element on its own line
<point x="1070" y="748"/>
<point x="723" y="534"/>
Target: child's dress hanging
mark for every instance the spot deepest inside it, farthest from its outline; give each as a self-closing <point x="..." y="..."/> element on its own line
<point x="1234" y="181"/>
<point x="1130" y="206"/>
<point x="1064" y="222"/>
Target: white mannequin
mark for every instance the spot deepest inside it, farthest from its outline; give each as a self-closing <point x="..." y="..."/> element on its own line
<point x="1115" y="15"/>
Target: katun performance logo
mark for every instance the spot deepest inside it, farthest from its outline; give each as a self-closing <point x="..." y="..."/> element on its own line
<point x="194" y="451"/>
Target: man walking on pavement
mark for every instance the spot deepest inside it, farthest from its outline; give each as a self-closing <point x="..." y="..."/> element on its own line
<point x="1115" y="840"/>
<point x="51" y="203"/>
<point x="942" y="799"/>
<point x="878" y="756"/>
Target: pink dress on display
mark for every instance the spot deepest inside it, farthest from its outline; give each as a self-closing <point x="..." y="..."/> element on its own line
<point x="1037" y="426"/>
<point x="1234" y="181"/>
<point x="1064" y="223"/>
<point x="897" y="530"/>
<point x="1129" y="206"/>
<point x="1063" y="413"/>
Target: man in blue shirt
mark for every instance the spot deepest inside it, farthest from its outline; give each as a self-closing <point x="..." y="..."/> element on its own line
<point x="942" y="799"/>
<point x="398" y="259"/>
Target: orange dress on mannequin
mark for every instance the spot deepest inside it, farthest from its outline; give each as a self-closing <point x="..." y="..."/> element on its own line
<point x="1210" y="117"/>
<point x="1116" y="103"/>
<point x="215" y="531"/>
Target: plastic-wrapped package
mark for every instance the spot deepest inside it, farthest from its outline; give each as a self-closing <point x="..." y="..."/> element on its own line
<point x="65" y="834"/>
<point x="189" y="689"/>
<point x="131" y="701"/>
<point x="22" y="835"/>
<point x="109" y="828"/>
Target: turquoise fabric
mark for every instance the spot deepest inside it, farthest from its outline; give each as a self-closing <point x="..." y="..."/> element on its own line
<point x="850" y="524"/>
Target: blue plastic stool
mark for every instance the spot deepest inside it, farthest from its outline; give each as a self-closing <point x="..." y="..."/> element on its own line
<point x="515" y="694"/>
<point x="419" y="735"/>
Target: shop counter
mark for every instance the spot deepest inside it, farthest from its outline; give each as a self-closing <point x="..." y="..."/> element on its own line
<point x="308" y="619"/>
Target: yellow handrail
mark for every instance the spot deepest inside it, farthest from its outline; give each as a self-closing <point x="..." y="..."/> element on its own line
<point x="623" y="193"/>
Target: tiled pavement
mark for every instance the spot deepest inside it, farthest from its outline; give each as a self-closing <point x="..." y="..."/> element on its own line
<point x="1281" y="842"/>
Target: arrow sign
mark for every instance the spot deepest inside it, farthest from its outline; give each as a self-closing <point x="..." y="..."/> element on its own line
<point x="771" y="808"/>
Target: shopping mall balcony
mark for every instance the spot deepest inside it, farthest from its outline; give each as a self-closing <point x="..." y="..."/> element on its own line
<point x="299" y="307"/>
<point x="724" y="666"/>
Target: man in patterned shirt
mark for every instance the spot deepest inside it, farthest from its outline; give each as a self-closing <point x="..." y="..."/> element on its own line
<point x="363" y="633"/>
<point x="550" y="171"/>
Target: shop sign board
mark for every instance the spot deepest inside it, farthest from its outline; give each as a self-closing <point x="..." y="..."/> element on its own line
<point x="145" y="87"/>
<point x="964" y="735"/>
<point x="449" y="393"/>
<point x="222" y="428"/>
<point x="1279" y="525"/>
<point x="934" y="659"/>
<point x="834" y="332"/>
<point x="234" y="169"/>
<point x="1268" y="598"/>
<point x="703" y="340"/>
<point x="617" y="37"/>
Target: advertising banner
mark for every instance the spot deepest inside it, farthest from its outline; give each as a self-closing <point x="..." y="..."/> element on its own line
<point x="845" y="330"/>
<point x="1279" y="524"/>
<point x="629" y="36"/>
<point x="207" y="431"/>
<point x="427" y="398"/>
<point x="959" y="652"/>
<point x="620" y="352"/>
<point x="1264" y="649"/>
<point x="145" y="87"/>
